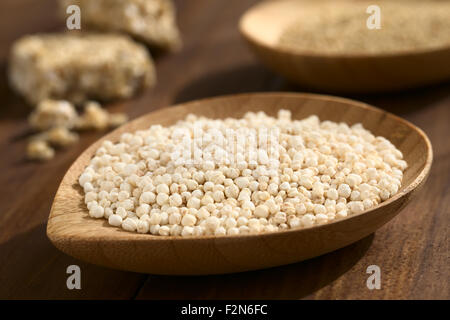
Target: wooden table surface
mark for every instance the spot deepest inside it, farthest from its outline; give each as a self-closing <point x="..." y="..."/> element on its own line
<point x="412" y="250"/>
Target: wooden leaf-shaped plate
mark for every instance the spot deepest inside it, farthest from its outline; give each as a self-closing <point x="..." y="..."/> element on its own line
<point x="72" y="230"/>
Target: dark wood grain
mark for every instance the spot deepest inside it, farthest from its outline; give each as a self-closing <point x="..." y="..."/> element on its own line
<point x="411" y="250"/>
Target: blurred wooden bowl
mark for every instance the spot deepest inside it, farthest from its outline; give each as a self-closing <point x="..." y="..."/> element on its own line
<point x="93" y="240"/>
<point x="263" y="24"/>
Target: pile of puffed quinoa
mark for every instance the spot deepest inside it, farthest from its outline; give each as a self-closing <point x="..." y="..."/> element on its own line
<point x="238" y="176"/>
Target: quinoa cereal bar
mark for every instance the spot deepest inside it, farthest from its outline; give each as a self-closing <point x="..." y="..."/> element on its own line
<point x="77" y="67"/>
<point x="332" y="28"/>
<point x="151" y="21"/>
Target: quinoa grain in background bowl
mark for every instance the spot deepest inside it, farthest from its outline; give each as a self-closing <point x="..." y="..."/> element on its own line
<point x="331" y="27"/>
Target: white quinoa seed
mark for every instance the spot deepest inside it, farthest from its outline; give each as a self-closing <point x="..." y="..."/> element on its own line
<point x="115" y="220"/>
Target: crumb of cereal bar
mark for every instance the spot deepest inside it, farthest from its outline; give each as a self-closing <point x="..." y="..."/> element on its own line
<point x="117" y="119"/>
<point x="53" y="113"/>
<point x="94" y="117"/>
